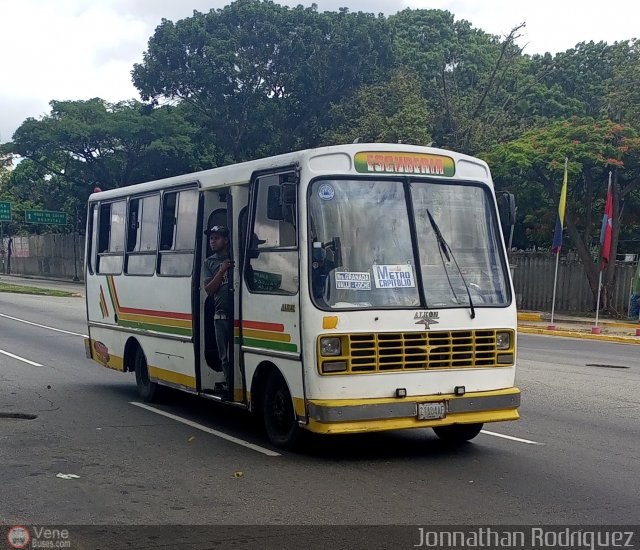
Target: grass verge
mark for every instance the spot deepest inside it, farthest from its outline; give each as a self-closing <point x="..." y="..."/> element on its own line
<point x="21" y="289"/>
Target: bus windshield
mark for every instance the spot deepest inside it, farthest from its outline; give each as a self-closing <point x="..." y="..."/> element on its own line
<point x="362" y="254"/>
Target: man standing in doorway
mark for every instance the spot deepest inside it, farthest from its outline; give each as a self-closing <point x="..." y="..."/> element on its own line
<point x="216" y="284"/>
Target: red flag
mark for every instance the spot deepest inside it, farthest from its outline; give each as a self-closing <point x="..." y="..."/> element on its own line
<point x="607" y="226"/>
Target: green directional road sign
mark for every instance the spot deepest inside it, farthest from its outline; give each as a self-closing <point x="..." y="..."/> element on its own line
<point x="5" y="211"/>
<point x="45" y="217"/>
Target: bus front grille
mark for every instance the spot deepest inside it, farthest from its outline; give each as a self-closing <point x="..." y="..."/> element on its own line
<point x="413" y="351"/>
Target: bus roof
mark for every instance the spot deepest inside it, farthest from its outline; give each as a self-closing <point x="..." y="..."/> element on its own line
<point x="331" y="159"/>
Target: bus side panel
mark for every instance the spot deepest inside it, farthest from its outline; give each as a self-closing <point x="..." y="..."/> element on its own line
<point x="156" y="312"/>
<point x="290" y="369"/>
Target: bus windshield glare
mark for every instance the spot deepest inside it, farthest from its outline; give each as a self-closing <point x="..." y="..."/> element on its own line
<point x="362" y="254"/>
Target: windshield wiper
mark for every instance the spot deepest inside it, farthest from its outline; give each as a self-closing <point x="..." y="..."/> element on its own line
<point x="446" y="250"/>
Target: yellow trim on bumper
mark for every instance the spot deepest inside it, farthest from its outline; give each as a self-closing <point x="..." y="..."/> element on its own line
<point x="416" y="399"/>
<point x="364" y="415"/>
<point x="405" y="423"/>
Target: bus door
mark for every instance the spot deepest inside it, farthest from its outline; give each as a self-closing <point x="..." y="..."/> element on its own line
<point x="218" y="211"/>
<point x="269" y="327"/>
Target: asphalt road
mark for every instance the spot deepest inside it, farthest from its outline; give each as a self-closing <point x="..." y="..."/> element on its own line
<point x="576" y="458"/>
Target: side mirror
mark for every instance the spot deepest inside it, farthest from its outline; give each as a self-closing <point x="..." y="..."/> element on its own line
<point x="509" y="218"/>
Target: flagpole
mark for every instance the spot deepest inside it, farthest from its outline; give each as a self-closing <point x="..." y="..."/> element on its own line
<point x="605" y="242"/>
<point x="557" y="238"/>
<point x="555" y="280"/>
<point x="598" y="303"/>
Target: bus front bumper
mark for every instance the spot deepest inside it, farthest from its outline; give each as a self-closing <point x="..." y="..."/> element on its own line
<point x="371" y="415"/>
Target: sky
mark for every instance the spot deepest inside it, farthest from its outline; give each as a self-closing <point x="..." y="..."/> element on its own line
<point x="79" y="49"/>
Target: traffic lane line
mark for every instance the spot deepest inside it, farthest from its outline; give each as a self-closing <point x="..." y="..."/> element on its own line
<point x="208" y="430"/>
<point x="511" y="438"/>
<point x="43" y="326"/>
<point x="32" y="363"/>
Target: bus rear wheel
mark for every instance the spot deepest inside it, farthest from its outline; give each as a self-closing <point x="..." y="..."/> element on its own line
<point x="458" y="433"/>
<point x="278" y="414"/>
<point x="147" y="390"/>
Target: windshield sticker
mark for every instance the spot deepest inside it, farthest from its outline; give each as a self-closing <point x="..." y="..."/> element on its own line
<point x="393" y="276"/>
<point x="374" y="162"/>
<point x="353" y="280"/>
<point x="326" y="192"/>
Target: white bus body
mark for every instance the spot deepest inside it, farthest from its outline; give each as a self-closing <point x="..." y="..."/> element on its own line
<point x="350" y="312"/>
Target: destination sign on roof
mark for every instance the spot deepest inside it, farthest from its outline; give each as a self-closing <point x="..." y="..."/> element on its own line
<point x="379" y="162"/>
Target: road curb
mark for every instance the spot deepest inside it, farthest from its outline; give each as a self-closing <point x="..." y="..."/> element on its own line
<point x="583" y="335"/>
<point x="545" y="317"/>
<point x="529" y="316"/>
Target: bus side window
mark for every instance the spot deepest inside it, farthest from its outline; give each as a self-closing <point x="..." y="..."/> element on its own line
<point x="272" y="266"/>
<point x="111" y="238"/>
<point x="142" y="235"/>
<point x="177" y="233"/>
<point x="92" y="236"/>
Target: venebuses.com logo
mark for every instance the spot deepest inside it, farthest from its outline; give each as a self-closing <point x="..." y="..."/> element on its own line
<point x="18" y="536"/>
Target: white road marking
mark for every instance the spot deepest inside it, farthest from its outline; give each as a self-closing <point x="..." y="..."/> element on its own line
<point x="211" y="431"/>
<point x="20" y="358"/>
<point x="43" y="326"/>
<point x="519" y="439"/>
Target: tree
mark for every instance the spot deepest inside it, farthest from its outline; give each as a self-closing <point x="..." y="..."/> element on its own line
<point x="535" y="162"/>
<point x="623" y="86"/>
<point x="84" y="144"/>
<point x="392" y="112"/>
<point x="262" y="77"/>
<point x="582" y="75"/>
<point x="470" y="78"/>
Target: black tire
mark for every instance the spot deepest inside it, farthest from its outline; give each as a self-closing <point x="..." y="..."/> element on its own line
<point x="147" y="390"/>
<point x="278" y="414"/>
<point x="458" y="433"/>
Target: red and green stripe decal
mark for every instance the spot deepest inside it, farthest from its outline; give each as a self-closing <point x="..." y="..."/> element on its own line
<point x="258" y="334"/>
<point x="168" y="322"/>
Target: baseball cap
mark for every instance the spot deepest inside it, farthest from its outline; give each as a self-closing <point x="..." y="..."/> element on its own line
<point x="219" y="229"/>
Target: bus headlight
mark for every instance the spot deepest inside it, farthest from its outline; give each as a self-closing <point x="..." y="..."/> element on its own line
<point x="330" y="347"/>
<point x="503" y="340"/>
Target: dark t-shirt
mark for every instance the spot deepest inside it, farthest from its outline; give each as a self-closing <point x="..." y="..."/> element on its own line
<point x="223" y="298"/>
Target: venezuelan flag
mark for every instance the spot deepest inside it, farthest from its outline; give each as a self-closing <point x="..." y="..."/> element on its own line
<point x="557" y="234"/>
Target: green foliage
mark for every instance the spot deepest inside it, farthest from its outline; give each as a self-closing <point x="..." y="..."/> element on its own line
<point x="86" y="144"/>
<point x="471" y="79"/>
<point x="392" y="112"/>
<point x="262" y="76"/>
<point x="623" y="88"/>
<point x="533" y="165"/>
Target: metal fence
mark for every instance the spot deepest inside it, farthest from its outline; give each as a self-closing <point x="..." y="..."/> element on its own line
<point x="533" y="281"/>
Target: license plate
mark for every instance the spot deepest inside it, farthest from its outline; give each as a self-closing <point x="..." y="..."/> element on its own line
<point x="431" y="411"/>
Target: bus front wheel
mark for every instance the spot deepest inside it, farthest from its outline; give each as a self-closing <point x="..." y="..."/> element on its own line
<point x="147" y="390"/>
<point x="458" y="433"/>
<point x="279" y="416"/>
